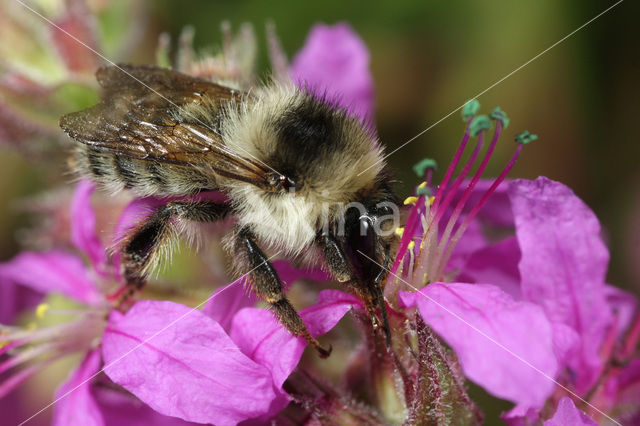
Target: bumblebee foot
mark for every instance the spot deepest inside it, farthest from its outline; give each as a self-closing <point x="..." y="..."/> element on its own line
<point x="322" y="352"/>
<point x="122" y="295"/>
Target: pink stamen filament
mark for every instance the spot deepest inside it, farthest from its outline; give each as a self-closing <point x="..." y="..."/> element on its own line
<point x="465" y="196"/>
<point x="410" y="227"/>
<point x="609" y="341"/>
<point x="428" y="176"/>
<point x="467" y="221"/>
<point x="631" y="341"/>
<point x="25" y="356"/>
<point x="30" y="336"/>
<point x="409" y="230"/>
<point x="463" y="174"/>
<point x="17" y="379"/>
<point x="452" y="167"/>
<point x="432" y="219"/>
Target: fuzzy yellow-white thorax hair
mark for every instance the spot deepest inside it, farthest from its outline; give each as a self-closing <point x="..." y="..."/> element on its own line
<point x="331" y="156"/>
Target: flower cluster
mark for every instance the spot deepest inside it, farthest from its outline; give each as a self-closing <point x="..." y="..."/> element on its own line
<point x="509" y="274"/>
<point x="47" y="68"/>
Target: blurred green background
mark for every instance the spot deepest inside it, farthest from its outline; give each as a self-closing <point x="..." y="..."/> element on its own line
<point x="428" y="58"/>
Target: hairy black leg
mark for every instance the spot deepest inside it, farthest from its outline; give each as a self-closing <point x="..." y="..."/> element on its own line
<point x="343" y="271"/>
<point x="379" y="297"/>
<point x="337" y="261"/>
<point x="267" y="285"/>
<point x="144" y="242"/>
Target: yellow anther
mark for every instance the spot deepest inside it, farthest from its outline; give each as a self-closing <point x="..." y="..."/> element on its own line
<point x="421" y="245"/>
<point x="411" y="245"/>
<point x="431" y="199"/>
<point x="42" y="309"/>
<point x="410" y="200"/>
<point x="399" y="231"/>
<point x="422" y="185"/>
<point x="424" y="279"/>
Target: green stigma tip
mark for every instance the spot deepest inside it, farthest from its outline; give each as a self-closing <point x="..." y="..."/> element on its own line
<point x="526" y="137"/>
<point x="479" y="124"/>
<point x="499" y="115"/>
<point x="424" y="191"/>
<point x="470" y="109"/>
<point x="424" y="165"/>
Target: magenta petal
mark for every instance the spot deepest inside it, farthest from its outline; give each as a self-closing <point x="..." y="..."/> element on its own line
<point x="122" y="409"/>
<point x="134" y="213"/>
<point x="261" y="337"/>
<point x="471" y="241"/>
<point x="497" y="212"/>
<point x="52" y="272"/>
<point x="496" y="264"/>
<point x="75" y="403"/>
<point x="521" y="416"/>
<point x="290" y="274"/>
<point x="183" y="364"/>
<point x="566" y="343"/>
<point x="335" y="62"/>
<point x="14" y="299"/>
<point x="568" y="415"/>
<point x="623" y="306"/>
<point x="563" y="265"/>
<point x="623" y="392"/>
<point x="228" y="300"/>
<point x="83" y="225"/>
<point x="459" y="313"/>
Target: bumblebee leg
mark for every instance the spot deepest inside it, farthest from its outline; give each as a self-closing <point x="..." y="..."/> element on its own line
<point x="379" y="298"/>
<point x="337" y="261"/>
<point x="342" y="270"/>
<point x="267" y="285"/>
<point x="144" y="242"/>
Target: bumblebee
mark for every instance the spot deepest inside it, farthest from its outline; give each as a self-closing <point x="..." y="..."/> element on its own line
<point x="302" y="176"/>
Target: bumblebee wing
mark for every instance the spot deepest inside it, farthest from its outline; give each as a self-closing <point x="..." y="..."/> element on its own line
<point x="139" y="117"/>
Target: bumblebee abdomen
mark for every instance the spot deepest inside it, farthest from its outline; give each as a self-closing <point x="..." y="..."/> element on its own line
<point x="143" y="177"/>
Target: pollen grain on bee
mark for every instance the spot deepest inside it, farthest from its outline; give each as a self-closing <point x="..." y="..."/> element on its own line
<point x="201" y="304"/>
<point x="483" y="334"/>
<point x="104" y="58"/>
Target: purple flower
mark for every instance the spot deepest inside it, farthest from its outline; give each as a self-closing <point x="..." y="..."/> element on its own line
<point x="526" y="310"/>
<point x="482" y="323"/>
<point x="568" y="414"/>
<point x="202" y="372"/>
<point x="563" y="268"/>
<point x="520" y="311"/>
<point x="54" y="272"/>
<point x="334" y="62"/>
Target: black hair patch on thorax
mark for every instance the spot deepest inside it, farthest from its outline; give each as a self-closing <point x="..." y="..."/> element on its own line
<point x="308" y="130"/>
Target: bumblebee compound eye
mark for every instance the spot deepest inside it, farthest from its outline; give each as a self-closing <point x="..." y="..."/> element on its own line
<point x="286" y="183"/>
<point x="386" y="217"/>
